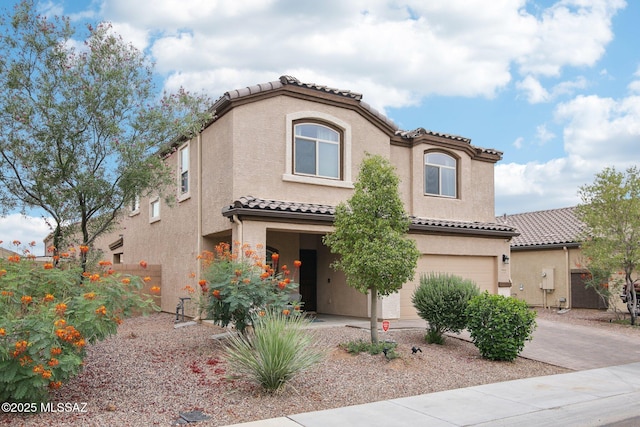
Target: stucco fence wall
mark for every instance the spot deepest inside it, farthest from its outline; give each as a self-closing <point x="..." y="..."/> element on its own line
<point x="152" y="271"/>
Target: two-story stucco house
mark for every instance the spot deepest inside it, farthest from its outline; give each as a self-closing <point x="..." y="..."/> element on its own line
<point x="273" y="165"/>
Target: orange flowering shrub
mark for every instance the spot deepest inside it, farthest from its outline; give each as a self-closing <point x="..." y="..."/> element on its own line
<point x="49" y="315"/>
<point x="238" y="283"/>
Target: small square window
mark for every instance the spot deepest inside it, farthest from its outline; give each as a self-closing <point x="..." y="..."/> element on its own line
<point x="134" y="208"/>
<point x="154" y="210"/>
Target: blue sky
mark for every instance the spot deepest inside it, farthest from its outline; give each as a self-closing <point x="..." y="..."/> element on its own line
<point x="554" y="85"/>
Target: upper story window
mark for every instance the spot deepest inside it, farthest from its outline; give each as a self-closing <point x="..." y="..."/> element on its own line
<point x="134" y="208"/>
<point x="440" y="172"/>
<point x="154" y="209"/>
<point x="317" y="150"/>
<point x="183" y="169"/>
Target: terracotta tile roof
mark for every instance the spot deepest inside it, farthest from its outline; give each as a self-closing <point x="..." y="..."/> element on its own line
<point x="549" y="228"/>
<point x="292" y="81"/>
<point x="411" y="134"/>
<point x="249" y="204"/>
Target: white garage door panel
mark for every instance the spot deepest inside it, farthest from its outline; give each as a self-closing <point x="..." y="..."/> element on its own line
<point x="480" y="269"/>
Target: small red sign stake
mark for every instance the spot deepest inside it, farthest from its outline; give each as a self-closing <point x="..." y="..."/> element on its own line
<point x="385" y="325"/>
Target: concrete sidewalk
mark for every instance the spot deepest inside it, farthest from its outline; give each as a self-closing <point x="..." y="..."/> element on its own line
<point x="597" y="397"/>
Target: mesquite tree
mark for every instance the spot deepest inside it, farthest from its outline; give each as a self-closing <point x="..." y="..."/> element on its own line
<point x="370" y="236"/>
<point x="82" y="126"/>
<point x="610" y="209"/>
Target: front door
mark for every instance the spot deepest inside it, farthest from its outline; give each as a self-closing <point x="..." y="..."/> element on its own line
<point x="308" y="279"/>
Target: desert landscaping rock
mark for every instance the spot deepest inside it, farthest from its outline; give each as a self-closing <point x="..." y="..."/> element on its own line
<point x="150" y="373"/>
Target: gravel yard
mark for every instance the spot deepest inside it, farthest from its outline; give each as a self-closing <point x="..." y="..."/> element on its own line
<point x="150" y="372"/>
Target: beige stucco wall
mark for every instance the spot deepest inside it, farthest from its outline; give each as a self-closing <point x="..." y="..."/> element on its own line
<point x="527" y="268"/>
<point x="171" y="242"/>
<point x="474" y="258"/>
<point x="244" y="153"/>
<point x="475" y="201"/>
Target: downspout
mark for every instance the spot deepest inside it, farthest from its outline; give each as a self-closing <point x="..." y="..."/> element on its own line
<point x="199" y="201"/>
<point x="199" y="212"/>
<point x="566" y="256"/>
<point x="237" y="221"/>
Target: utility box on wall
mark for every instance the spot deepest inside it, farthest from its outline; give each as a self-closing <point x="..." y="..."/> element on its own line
<point x="548" y="281"/>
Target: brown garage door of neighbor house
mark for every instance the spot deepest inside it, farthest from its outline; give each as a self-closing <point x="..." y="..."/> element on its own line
<point x="583" y="297"/>
<point x="480" y="269"/>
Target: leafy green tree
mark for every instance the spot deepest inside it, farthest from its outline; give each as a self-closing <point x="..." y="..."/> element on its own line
<point x="81" y="124"/>
<point x="370" y="236"/>
<point x="610" y="209"/>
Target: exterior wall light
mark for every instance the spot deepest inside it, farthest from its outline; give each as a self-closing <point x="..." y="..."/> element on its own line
<point x="505" y="259"/>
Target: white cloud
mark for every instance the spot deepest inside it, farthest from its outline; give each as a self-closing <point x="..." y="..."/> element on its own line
<point x="536" y="93"/>
<point x="533" y="90"/>
<point x="25" y="229"/>
<point x="570" y="33"/>
<point x="543" y="135"/>
<point x="394" y="53"/>
<point x="598" y="132"/>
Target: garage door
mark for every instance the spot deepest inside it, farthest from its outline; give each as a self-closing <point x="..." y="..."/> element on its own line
<point x="480" y="269"/>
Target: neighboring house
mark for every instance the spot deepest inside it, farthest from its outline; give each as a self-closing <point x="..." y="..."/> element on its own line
<point x="6" y="253"/>
<point x="270" y="170"/>
<point x="547" y="267"/>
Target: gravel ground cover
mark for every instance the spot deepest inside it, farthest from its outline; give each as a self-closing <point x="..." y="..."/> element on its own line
<point x="150" y="372"/>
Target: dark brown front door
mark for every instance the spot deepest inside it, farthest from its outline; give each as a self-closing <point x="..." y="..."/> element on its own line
<point x="308" y="279"/>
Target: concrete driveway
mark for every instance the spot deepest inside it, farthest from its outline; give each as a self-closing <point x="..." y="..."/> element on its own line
<point x="558" y="343"/>
<point x="581" y="347"/>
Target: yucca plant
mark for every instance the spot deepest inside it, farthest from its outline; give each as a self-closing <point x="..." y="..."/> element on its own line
<point x="278" y="348"/>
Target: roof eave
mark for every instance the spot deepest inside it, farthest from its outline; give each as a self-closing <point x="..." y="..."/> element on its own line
<point x="242" y="212"/>
<point x="544" y="246"/>
<point x="462" y="230"/>
<point x="230" y="211"/>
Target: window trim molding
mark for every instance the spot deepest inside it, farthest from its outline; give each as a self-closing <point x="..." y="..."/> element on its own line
<point x="329" y="120"/>
<point x="457" y="173"/>
<point x="187" y="194"/>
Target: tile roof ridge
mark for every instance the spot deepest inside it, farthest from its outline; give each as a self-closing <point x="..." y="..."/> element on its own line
<point x="566" y="208"/>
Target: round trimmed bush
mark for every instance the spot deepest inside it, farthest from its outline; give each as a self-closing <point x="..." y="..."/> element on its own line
<point x="441" y="299"/>
<point x="499" y="325"/>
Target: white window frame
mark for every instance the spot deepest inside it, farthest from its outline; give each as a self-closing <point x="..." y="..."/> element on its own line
<point x="300" y="116"/>
<point x="135" y="206"/>
<point x="440" y="169"/>
<point x="182" y="169"/>
<point x="154" y="216"/>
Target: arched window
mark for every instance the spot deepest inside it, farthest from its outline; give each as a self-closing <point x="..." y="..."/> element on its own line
<point x="317" y="150"/>
<point x="440" y="172"/>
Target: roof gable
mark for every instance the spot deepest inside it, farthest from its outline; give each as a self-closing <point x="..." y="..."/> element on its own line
<point x="291" y="86"/>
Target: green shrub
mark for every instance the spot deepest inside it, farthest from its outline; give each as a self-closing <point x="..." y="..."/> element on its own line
<point x="500" y="325"/>
<point x="238" y="284"/>
<point x="47" y="317"/>
<point x="278" y="348"/>
<point x="362" y="346"/>
<point x="441" y="300"/>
